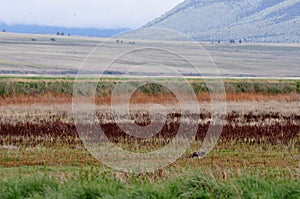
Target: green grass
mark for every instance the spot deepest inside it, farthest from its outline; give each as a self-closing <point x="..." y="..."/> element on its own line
<point x="32" y="85"/>
<point x="229" y="171"/>
<point x="188" y="185"/>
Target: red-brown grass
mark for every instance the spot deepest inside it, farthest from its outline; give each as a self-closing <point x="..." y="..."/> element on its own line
<point x="139" y="98"/>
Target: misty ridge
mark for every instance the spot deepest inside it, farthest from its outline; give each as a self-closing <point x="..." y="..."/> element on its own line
<point x="225" y="20"/>
<point x="63" y="31"/>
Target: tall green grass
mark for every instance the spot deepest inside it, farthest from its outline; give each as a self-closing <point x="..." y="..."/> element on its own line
<point x="192" y="185"/>
<point x="104" y="88"/>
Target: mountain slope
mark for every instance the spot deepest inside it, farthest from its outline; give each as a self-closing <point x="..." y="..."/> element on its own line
<point x="251" y="20"/>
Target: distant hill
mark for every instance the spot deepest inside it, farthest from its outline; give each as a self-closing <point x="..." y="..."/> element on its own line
<point x="34" y="29"/>
<point x="224" y="20"/>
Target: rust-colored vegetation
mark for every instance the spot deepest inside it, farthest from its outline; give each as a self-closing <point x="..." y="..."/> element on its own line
<point x="142" y="98"/>
<point x="56" y="130"/>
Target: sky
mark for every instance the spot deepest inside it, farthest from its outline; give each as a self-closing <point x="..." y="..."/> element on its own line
<point x="84" y="13"/>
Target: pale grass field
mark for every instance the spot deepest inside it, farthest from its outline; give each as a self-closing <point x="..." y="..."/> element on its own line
<point x="65" y="56"/>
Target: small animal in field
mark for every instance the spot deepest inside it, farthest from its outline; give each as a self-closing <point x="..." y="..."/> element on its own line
<point x="198" y="154"/>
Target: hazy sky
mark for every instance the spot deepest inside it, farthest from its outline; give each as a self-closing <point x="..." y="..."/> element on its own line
<point x="84" y="13"/>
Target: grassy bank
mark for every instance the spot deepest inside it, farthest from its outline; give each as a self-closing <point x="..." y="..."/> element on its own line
<point x="193" y="184"/>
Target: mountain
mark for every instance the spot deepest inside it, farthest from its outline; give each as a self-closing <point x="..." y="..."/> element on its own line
<point x="35" y="29"/>
<point x="224" y="20"/>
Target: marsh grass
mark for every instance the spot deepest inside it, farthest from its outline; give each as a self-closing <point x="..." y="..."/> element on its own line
<point x="260" y="162"/>
<point x="104" y="87"/>
<point x="192" y="184"/>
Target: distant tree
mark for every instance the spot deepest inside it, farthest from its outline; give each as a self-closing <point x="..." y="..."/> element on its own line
<point x="219" y="41"/>
<point x="3" y="30"/>
<point x="117" y="41"/>
<point x="52" y="39"/>
<point x="69" y="34"/>
<point x="240" y="41"/>
<point x="58" y="33"/>
<point x="232" y="41"/>
<point x="62" y="33"/>
<point x="33" y="39"/>
<point x="122" y="41"/>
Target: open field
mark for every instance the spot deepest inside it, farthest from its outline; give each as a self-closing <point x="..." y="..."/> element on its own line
<point x="21" y="56"/>
<point x="41" y="154"/>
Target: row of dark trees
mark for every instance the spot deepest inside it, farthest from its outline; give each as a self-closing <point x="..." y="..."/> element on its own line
<point x="121" y="42"/>
<point x="51" y="39"/>
<point x="62" y="34"/>
<point x="232" y="41"/>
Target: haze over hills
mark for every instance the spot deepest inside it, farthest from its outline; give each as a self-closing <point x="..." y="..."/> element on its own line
<point x="36" y="29"/>
<point x="246" y="20"/>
